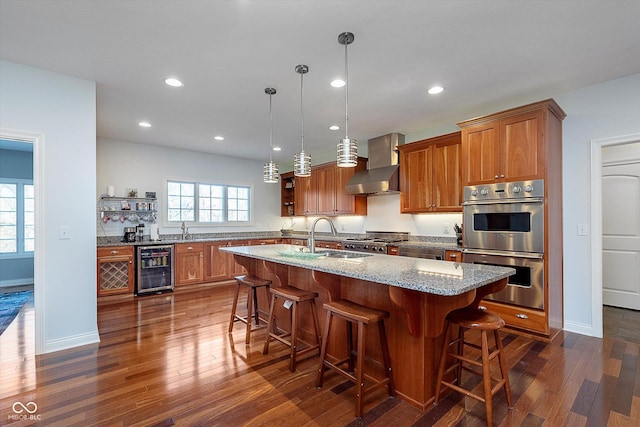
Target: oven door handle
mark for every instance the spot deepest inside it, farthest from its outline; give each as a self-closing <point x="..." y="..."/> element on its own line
<point x="503" y="202"/>
<point x="532" y="255"/>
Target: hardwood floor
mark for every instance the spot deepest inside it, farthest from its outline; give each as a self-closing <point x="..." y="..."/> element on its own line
<point x="167" y="360"/>
<point x="621" y="324"/>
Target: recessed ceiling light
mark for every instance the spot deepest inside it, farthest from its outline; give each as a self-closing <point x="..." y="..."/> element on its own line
<point x="276" y="148"/>
<point x="218" y="138"/>
<point x="337" y="83"/>
<point x="173" y="82"/>
<point x="334" y="127"/>
<point x="435" y="90"/>
<point x="144" y="124"/>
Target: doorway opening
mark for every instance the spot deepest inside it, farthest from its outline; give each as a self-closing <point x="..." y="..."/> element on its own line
<point x="597" y="147"/>
<point x="34" y="141"/>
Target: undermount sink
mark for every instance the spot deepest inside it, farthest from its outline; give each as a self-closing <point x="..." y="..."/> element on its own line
<point x="343" y="254"/>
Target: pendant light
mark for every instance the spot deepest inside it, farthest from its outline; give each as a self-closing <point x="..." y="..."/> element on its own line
<point x="347" y="147"/>
<point x="271" y="175"/>
<point x="302" y="160"/>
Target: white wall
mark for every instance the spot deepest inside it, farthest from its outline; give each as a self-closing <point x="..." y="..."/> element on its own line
<point x="61" y="109"/>
<point x="147" y="167"/>
<point x="600" y="111"/>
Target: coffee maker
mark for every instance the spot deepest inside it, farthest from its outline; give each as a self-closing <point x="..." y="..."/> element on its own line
<point x="129" y="234"/>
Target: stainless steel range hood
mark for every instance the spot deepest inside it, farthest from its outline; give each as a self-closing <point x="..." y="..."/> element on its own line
<point x="381" y="176"/>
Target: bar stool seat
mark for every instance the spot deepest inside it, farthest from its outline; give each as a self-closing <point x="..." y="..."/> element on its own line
<point x="483" y="321"/>
<point x="253" y="283"/>
<point x="295" y="296"/>
<point x="362" y="316"/>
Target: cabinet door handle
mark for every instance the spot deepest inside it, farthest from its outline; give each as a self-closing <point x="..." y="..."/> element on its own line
<point x="114" y="252"/>
<point x="453" y="256"/>
<point x="501" y="176"/>
<point x="496" y="177"/>
<point x="189" y="248"/>
<point x="482" y="307"/>
<point x="522" y="316"/>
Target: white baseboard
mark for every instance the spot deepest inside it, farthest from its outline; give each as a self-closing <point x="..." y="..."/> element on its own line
<point x="16" y="282"/>
<point x="579" y="328"/>
<point x="70" y="342"/>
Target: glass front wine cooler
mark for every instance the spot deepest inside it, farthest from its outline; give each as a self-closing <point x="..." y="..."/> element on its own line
<point x="155" y="269"/>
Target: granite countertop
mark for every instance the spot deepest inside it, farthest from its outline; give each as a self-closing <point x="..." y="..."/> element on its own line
<point x="173" y="239"/>
<point x="424" y="275"/>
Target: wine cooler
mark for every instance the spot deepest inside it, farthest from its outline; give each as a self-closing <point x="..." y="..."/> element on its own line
<point x="155" y="269"/>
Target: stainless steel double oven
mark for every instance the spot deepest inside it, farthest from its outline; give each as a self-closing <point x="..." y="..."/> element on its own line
<point x="504" y="226"/>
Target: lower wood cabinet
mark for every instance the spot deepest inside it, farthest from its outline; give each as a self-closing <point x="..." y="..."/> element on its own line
<point x="116" y="273"/>
<point x="522" y="318"/>
<point x="455" y="256"/>
<point x="189" y="263"/>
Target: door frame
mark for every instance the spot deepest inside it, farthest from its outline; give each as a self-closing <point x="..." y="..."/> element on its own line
<point x="596" y="225"/>
<point x="37" y="139"/>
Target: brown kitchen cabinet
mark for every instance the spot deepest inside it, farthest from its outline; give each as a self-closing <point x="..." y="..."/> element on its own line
<point x="189" y="263"/>
<point x="287" y="194"/>
<point x="323" y="192"/>
<point x="220" y="265"/>
<point x="430" y="175"/>
<point x="393" y="250"/>
<point x="306" y="195"/>
<point x="328" y="244"/>
<point x="297" y="242"/>
<point x="524" y="143"/>
<point x="331" y="195"/>
<point x="510" y="145"/>
<point x="116" y="274"/>
<point x="455" y="256"/>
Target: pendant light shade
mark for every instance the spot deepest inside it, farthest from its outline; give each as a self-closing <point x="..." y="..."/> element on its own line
<point x="271" y="175"/>
<point x="302" y="160"/>
<point x="347" y="147"/>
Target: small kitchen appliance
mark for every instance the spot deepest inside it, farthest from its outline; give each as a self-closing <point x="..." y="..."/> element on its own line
<point x="129" y="234"/>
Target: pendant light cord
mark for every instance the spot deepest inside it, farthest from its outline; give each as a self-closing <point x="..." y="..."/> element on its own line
<point x="270" y="130"/>
<point x="346" y="93"/>
<point x="302" y="108"/>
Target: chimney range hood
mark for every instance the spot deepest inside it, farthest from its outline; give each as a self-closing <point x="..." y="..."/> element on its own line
<point x="381" y="176"/>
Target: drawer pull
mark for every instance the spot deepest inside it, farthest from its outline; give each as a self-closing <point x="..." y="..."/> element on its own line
<point x="522" y="316"/>
<point x="114" y="252"/>
<point x="482" y="307"/>
<point x="453" y="256"/>
<point x="189" y="247"/>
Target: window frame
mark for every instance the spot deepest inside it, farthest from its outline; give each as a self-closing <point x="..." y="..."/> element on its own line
<point x="196" y="204"/>
<point x="20" y="220"/>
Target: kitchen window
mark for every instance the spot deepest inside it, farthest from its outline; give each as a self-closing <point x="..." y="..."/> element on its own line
<point x="17" y="217"/>
<point x="204" y="203"/>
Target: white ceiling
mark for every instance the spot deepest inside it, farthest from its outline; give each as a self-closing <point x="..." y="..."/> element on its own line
<point x="489" y="55"/>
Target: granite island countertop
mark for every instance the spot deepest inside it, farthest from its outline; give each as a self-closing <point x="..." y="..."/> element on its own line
<point x="424" y="275"/>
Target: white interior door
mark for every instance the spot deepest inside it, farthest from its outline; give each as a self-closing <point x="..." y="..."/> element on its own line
<point x="621" y="234"/>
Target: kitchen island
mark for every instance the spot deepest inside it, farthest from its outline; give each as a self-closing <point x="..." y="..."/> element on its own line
<point x="418" y="294"/>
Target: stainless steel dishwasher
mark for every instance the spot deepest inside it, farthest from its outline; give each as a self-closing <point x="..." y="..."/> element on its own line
<point x="421" y="252"/>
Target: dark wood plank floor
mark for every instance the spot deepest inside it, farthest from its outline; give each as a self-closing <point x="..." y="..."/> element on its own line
<point x="167" y="360"/>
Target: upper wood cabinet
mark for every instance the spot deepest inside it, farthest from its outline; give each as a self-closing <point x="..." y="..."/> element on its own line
<point x="323" y="192"/>
<point x="430" y="175"/>
<point x="287" y="194"/>
<point x="508" y="146"/>
<point x="306" y="195"/>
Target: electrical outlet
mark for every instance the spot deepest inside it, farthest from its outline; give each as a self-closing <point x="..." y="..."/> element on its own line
<point x="445" y="227"/>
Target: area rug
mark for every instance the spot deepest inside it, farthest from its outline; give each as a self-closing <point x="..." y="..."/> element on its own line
<point x="10" y="305"/>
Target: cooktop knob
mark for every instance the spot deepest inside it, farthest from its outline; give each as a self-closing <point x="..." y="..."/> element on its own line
<point x="516" y="189"/>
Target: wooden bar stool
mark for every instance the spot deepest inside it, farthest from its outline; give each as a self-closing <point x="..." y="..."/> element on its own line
<point x="362" y="316"/>
<point x="484" y="321"/>
<point x="252" y="283"/>
<point x="294" y="296"/>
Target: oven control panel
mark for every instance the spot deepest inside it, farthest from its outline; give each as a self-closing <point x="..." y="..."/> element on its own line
<point x="504" y="191"/>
